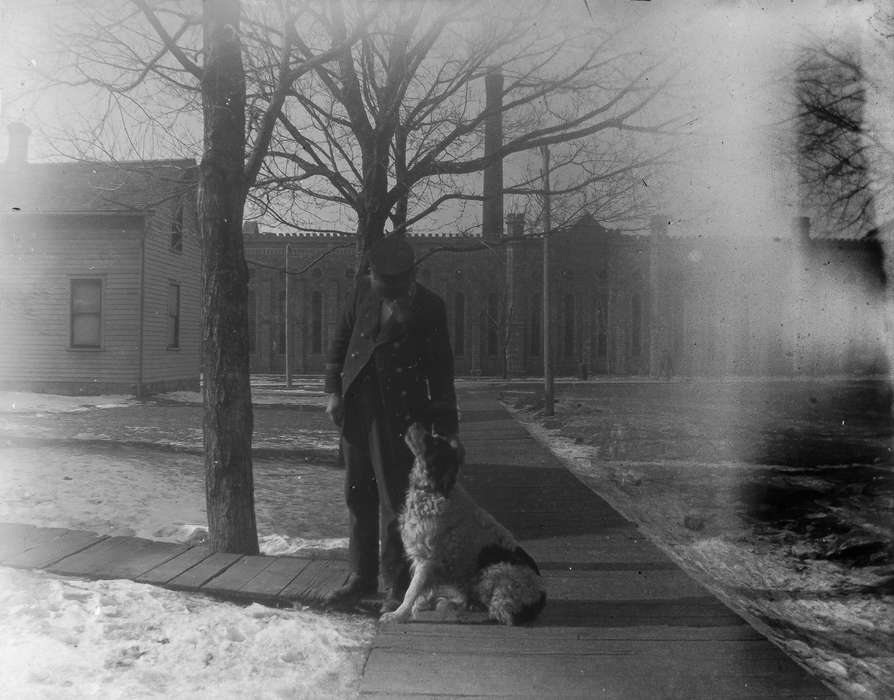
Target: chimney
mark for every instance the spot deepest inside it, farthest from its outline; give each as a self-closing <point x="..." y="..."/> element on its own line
<point x="492" y="208"/>
<point x="250" y="228"/>
<point x="515" y="225"/>
<point x="17" y="155"/>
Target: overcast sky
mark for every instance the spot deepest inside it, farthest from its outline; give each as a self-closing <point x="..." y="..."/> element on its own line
<point x="733" y="54"/>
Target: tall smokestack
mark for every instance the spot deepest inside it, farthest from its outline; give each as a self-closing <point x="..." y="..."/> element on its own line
<point x="17" y="155"/>
<point x="492" y="208"/>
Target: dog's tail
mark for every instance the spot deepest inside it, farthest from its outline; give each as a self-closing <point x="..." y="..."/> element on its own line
<point x="529" y="612"/>
<point x="509" y="584"/>
<point x="511" y="593"/>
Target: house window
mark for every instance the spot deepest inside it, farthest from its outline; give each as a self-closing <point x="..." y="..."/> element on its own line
<point x="569" y="325"/>
<point x="493" y="311"/>
<point x="316" y="323"/>
<point x="173" y="315"/>
<point x="636" y="336"/>
<point x="536" y="332"/>
<point x="86" y="313"/>
<point x="459" y="324"/>
<point x="177" y="230"/>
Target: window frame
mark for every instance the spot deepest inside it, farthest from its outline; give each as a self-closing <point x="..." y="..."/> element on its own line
<point x="100" y="313"/>
<point x="176" y="239"/>
<point x="175" y="345"/>
<point x="569" y="317"/>
<point x="316" y="322"/>
<point x="636" y="325"/>
<point x="459" y="324"/>
<point x="492" y="317"/>
<point x="536" y="330"/>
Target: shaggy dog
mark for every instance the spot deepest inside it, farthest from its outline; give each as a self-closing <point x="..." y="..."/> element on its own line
<point x="452" y="541"/>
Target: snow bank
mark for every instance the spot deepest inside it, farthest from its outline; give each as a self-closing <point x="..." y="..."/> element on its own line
<point x="118" y="639"/>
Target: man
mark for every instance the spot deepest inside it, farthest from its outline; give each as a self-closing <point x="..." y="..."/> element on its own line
<point x="390" y="365"/>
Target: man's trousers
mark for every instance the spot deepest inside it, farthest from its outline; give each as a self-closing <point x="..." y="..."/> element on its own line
<point x="376" y="479"/>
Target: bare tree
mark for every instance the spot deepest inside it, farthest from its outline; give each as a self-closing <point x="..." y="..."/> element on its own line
<point x="392" y="130"/>
<point x="838" y="156"/>
<point x="153" y="60"/>
<point x="322" y="106"/>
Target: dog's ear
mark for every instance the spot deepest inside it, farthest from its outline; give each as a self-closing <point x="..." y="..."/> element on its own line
<point x="415" y="439"/>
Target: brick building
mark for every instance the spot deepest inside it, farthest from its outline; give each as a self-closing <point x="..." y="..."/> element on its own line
<point x="620" y="304"/>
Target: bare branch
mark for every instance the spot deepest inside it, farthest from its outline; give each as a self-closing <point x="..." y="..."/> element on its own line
<point x="168" y="40"/>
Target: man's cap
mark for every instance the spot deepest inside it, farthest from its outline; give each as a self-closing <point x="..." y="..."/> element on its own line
<point x="391" y="256"/>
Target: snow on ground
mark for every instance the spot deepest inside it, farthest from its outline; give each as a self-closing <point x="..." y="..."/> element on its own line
<point x="70" y="638"/>
<point x="25" y="402"/>
<point x="67" y="638"/>
<point x="121" y="492"/>
<point x="829" y="616"/>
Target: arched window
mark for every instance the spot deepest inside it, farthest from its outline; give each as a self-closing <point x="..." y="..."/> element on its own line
<point x="602" y="325"/>
<point x="636" y="320"/>
<point x="177" y="229"/>
<point x="536" y="331"/>
<point x="493" y="320"/>
<point x="459" y="324"/>
<point x="281" y="322"/>
<point x="316" y="323"/>
<point x="569" y="325"/>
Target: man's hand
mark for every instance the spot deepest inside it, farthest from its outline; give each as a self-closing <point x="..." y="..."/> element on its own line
<point x="335" y="409"/>
<point x="457" y="445"/>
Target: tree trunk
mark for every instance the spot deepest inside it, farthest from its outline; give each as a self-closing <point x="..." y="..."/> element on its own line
<point x="227" y="422"/>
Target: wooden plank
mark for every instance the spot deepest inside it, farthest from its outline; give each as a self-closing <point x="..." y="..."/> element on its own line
<point x="610" y="545"/>
<point x="656" y="671"/>
<point x="209" y="567"/>
<point x="638" y="566"/>
<point x="680" y="612"/>
<point x="48" y="551"/>
<point x="118" y="557"/>
<point x="621" y="585"/>
<point x="525" y="638"/>
<point x="273" y="580"/>
<point x="231" y="580"/>
<point x="316" y="580"/>
<point x="171" y="569"/>
<point x="622" y="621"/>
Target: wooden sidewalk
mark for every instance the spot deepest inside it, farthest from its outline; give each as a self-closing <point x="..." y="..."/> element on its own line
<point x="622" y="620"/>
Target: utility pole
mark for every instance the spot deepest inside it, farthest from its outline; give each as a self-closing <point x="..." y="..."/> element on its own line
<point x="287" y="321"/>
<point x="548" y="406"/>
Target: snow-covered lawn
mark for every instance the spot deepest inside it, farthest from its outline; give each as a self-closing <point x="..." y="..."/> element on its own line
<point x="70" y="638"/>
<point x="66" y="638"/>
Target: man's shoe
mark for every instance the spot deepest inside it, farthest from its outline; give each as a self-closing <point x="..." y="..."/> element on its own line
<point x="350" y="594"/>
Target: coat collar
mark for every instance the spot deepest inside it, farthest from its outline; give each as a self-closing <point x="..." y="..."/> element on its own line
<point x="370" y="313"/>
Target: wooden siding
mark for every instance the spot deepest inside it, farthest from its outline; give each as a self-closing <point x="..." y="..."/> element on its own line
<point x="163" y="266"/>
<point x="40" y="259"/>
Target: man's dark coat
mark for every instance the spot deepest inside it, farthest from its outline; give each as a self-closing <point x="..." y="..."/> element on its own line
<point x="413" y="362"/>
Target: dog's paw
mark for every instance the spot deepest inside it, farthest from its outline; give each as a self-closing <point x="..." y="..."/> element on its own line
<point x="396" y="617"/>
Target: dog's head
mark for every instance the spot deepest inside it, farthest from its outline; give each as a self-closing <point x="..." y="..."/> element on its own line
<point x="437" y="462"/>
